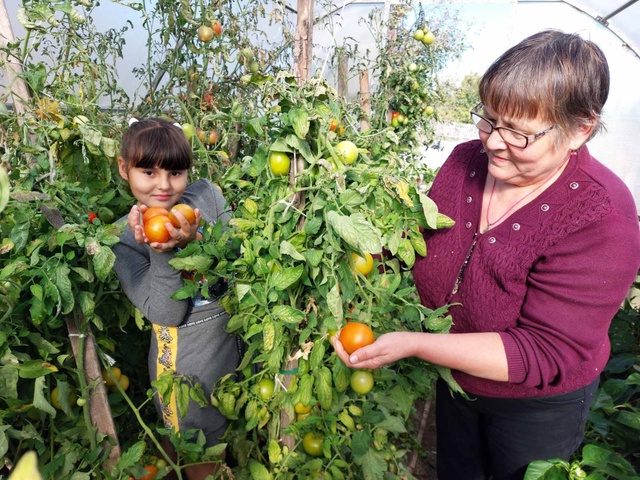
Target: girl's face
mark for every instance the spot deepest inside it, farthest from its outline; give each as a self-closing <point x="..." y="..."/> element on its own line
<point x="155" y="187"/>
<point x="530" y="165"/>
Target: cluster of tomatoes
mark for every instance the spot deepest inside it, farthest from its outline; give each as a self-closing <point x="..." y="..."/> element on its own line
<point x="280" y="163"/>
<point x="155" y="219"/>
<point x="424" y="35"/>
<point x="206" y="32"/>
<point x="113" y="377"/>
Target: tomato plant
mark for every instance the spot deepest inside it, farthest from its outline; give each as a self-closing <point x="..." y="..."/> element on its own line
<point x="188" y="130"/>
<point x="361" y="381"/>
<point x="355" y="335"/>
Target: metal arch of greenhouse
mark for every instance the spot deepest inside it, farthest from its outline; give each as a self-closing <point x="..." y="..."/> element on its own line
<point x="619" y="16"/>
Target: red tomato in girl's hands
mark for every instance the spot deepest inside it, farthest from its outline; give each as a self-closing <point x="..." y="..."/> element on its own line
<point x="185" y="210"/>
<point x="156" y="230"/>
<point x="152" y="212"/>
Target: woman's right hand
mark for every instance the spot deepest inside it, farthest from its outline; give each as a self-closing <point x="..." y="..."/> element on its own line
<point x="387" y="348"/>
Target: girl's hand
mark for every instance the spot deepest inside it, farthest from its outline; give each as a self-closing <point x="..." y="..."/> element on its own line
<point x="387" y="349"/>
<point x="180" y="236"/>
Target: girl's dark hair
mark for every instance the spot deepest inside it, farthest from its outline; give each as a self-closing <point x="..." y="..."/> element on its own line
<point x="155" y="142"/>
<point x="559" y="77"/>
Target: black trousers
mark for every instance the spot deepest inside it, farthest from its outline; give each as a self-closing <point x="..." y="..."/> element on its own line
<point x="496" y="438"/>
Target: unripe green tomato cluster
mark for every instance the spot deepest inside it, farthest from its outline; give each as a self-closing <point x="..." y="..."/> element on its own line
<point x="424" y="35"/>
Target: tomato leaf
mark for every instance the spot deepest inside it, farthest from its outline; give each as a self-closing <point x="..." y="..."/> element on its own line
<point x="302" y="147"/>
<point x="356" y="231"/>
<point x="9" y="381"/>
<point x="258" y="471"/>
<point x="103" y="262"/>
<point x="299" y="119"/>
<point x="372" y="463"/>
<point x="323" y="387"/>
<point x="334" y="302"/>
<point x="283" y="279"/>
<point x="63" y="285"/>
<point x="287" y="248"/>
<point x="39" y="400"/>
<point x="287" y="314"/>
<point x="430" y="210"/>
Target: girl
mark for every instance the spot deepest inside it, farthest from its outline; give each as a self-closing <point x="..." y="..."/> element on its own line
<point x="188" y="335"/>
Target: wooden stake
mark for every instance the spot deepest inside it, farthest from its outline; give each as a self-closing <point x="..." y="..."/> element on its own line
<point x="99" y="408"/>
<point x="343" y="76"/>
<point x="303" y="46"/>
<point x="365" y="100"/>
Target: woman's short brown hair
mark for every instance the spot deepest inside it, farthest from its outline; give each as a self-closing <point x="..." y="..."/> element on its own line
<point x="155" y="142"/>
<point x="558" y="77"/>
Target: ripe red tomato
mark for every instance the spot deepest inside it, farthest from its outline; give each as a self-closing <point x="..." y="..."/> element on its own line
<point x="312" y="444"/>
<point x="334" y="124"/>
<point x="153" y="471"/>
<point x="363" y="264"/>
<point x="361" y="381"/>
<point x="213" y="137"/>
<point x="356" y="335"/>
<point x="217" y="27"/>
<point x="205" y="34"/>
<point x="153" y="212"/>
<point x="92" y="217"/>
<point x="185" y="210"/>
<point x="155" y="229"/>
<point x="279" y="163"/>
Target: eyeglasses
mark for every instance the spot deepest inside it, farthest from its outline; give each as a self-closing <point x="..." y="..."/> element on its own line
<point x="510" y="136"/>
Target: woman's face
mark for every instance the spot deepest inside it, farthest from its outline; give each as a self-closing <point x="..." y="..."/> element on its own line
<point x="526" y="166"/>
<point x="155" y="187"/>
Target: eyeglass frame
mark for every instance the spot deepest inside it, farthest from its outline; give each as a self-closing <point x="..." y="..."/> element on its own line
<point x="528" y="138"/>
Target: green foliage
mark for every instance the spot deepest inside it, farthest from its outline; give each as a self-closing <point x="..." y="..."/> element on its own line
<point x="458" y="100"/>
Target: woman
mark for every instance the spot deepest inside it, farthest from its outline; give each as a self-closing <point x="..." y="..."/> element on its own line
<point x="544" y="249"/>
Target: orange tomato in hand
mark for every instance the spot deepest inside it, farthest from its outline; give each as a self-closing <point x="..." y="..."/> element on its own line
<point x="155" y="229"/>
<point x="185" y="210"/>
<point x="355" y="335"/>
<point x="152" y="212"/>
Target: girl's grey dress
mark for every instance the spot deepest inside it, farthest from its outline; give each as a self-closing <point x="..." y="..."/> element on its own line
<point x="188" y="336"/>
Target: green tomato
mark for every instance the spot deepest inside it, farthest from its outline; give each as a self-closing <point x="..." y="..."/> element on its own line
<point x="361" y="381"/>
<point x="312" y="444"/>
<point x="429" y="110"/>
<point x="188" y="130"/>
<point x="418" y="34"/>
<point x="347" y="151"/>
<point x="428" y="38"/>
<point x="265" y="388"/>
<point x="279" y="163"/>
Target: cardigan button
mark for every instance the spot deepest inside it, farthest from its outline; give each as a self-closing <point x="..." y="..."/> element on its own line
<point x="469" y="199"/>
<point x="492" y="239"/>
<point x="544" y="207"/>
<point x="516" y="226"/>
<point x="468" y="224"/>
<point x="472" y="173"/>
<point x="574" y="185"/>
